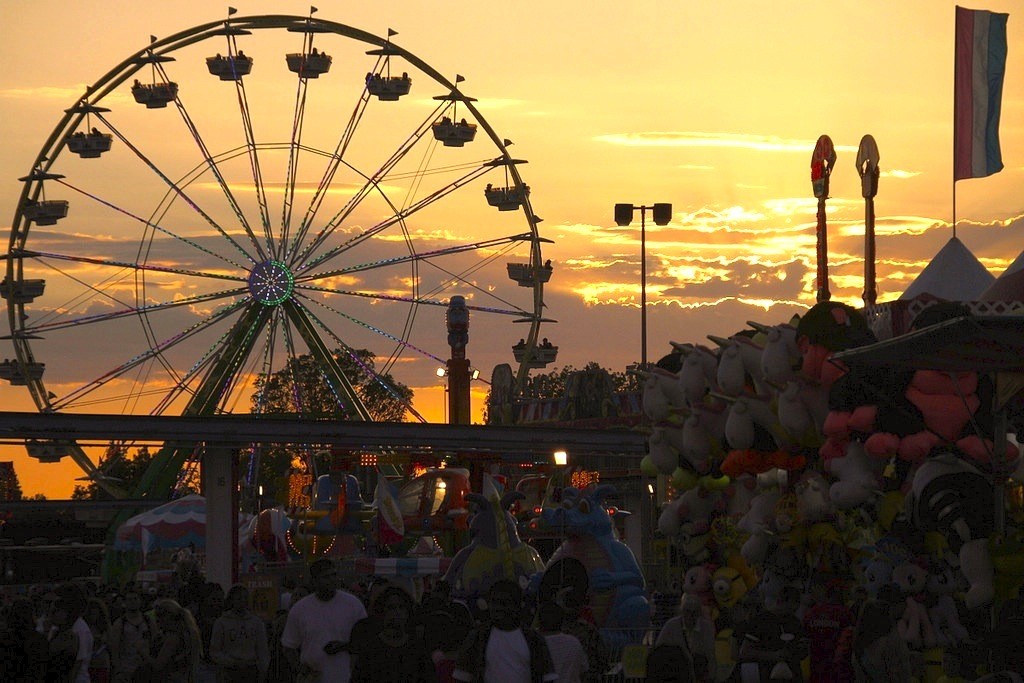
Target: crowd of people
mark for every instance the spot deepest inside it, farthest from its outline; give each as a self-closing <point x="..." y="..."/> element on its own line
<point x="824" y="635"/>
<point x="192" y="632"/>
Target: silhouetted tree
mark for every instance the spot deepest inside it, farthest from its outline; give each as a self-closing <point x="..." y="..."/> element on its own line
<point x="122" y="468"/>
<point x="10" y="487"/>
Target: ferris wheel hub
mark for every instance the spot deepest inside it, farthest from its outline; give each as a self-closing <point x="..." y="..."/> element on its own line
<point x="271" y="283"/>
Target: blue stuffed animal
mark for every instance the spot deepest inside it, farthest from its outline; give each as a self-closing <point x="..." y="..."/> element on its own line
<point x="617" y="597"/>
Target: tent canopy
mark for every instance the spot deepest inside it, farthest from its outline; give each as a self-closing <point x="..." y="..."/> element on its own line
<point x="175" y="524"/>
<point x="980" y="343"/>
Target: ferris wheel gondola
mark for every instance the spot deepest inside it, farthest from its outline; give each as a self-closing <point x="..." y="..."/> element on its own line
<point x="447" y="130"/>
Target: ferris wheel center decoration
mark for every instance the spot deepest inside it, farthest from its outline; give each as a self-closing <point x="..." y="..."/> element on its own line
<point x="271" y="283"/>
<point x="276" y="228"/>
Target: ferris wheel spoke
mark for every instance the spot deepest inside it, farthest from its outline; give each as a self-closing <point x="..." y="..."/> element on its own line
<point x="367" y="325"/>
<point x="149" y="354"/>
<point x="208" y="159"/>
<point x="333" y="164"/>
<point x="371" y="372"/>
<point x="251" y="148"/>
<point x="138" y="267"/>
<point x="397" y="218"/>
<point x="519" y="312"/>
<point x="181" y="193"/>
<point x="104" y="288"/>
<point x="370" y="183"/>
<point x="291" y="173"/>
<point x="464" y="279"/>
<point x="422" y="256"/>
<point x="334" y="375"/>
<point x="155" y="226"/>
<point x="267" y="363"/>
<point x="129" y="312"/>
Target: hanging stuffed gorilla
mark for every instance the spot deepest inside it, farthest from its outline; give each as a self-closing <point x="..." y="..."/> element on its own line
<point x="927" y="409"/>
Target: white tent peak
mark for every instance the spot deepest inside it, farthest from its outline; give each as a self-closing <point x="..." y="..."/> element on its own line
<point x="954" y="274"/>
<point x="1015" y="267"/>
<point x="1009" y="286"/>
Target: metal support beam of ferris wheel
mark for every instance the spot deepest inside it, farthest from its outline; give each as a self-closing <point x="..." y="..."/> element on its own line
<point x="162" y="473"/>
<point x="333" y="374"/>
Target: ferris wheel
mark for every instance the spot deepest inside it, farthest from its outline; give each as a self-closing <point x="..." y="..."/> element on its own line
<point x="249" y="191"/>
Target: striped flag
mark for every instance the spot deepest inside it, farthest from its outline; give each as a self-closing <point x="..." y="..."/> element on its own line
<point x="390" y="525"/>
<point x="978" y="92"/>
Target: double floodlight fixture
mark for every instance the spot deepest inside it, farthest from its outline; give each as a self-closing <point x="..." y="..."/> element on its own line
<point x="662" y="213"/>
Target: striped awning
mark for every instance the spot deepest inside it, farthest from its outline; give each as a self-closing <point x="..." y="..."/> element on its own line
<point x="401" y="566"/>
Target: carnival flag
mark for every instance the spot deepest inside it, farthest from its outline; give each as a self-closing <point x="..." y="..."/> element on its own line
<point x="390" y="526"/>
<point x="977" y="92"/>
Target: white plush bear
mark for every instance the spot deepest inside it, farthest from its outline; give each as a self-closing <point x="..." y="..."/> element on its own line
<point x="758" y="522"/>
<point x="701" y="437"/>
<point x="744" y="413"/>
<point x="859" y="477"/>
<point x="663" y="451"/>
<point x="781" y="353"/>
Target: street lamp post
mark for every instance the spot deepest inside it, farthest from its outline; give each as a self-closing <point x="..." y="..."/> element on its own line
<point x="662" y="214"/>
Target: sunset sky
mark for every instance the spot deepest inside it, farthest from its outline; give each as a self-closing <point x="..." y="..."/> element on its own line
<point x="712" y="106"/>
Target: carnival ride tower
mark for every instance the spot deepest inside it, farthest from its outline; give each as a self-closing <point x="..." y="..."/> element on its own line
<point x="457" y="367"/>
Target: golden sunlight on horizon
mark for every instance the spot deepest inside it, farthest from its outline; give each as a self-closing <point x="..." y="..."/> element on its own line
<point x="712" y="107"/>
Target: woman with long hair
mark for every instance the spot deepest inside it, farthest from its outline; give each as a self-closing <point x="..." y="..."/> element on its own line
<point x="879" y="654"/>
<point x="97" y="618"/>
<point x="179" y="645"/>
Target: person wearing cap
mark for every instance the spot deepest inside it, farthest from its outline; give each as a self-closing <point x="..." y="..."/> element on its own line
<point x="319" y="626"/>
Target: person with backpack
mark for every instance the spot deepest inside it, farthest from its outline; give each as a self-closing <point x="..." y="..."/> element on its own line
<point x="130" y="639"/>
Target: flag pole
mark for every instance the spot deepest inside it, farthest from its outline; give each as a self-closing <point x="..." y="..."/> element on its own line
<point x="956" y="60"/>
